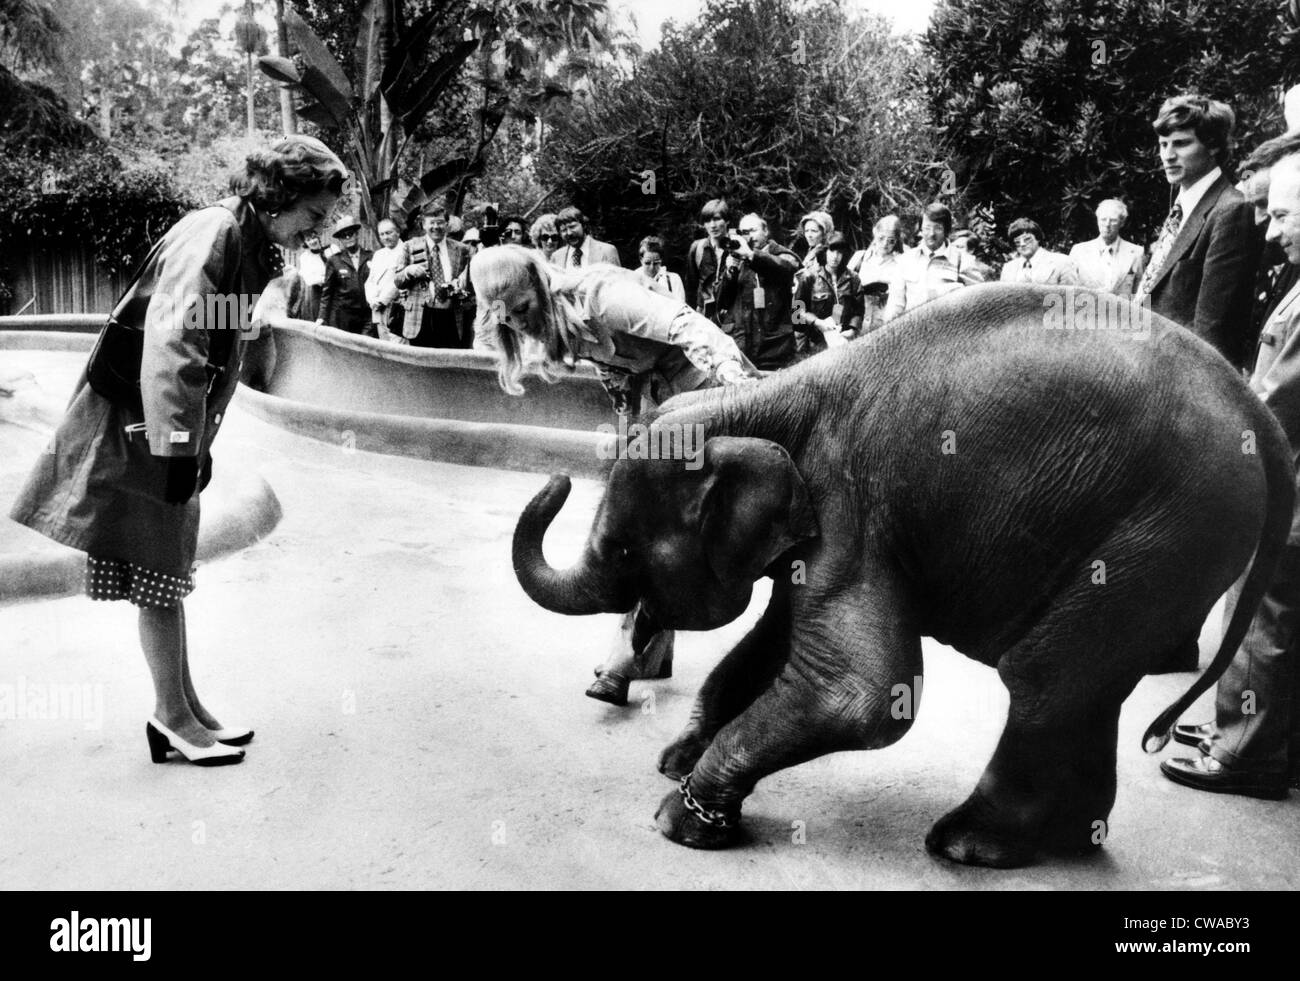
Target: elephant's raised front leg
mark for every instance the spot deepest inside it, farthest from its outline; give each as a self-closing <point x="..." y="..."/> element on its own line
<point x="733" y="684"/>
<point x="833" y="693"/>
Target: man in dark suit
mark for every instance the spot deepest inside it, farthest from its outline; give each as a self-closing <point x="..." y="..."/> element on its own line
<point x="343" y="294"/>
<point x="427" y="271"/>
<point x="1202" y="267"/>
<point x="1252" y="747"/>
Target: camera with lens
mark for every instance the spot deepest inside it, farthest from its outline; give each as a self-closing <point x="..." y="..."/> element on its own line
<point x="732" y="241"/>
<point x="442" y="293"/>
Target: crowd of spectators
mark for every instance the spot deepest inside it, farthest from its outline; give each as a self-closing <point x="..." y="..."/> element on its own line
<point x="782" y="301"/>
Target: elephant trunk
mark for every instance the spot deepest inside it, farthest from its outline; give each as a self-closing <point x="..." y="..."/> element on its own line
<point x="588" y="587"/>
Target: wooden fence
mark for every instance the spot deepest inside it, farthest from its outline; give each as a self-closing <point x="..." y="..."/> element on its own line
<point x="67" y="281"/>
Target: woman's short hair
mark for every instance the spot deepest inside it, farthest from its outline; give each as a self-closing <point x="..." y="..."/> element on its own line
<point x="544" y="225"/>
<point x="1022" y="225"/>
<point x="651" y="243"/>
<point x="822" y="220"/>
<point x="717" y="208"/>
<point x="1212" y="122"/>
<point x="291" y="168"/>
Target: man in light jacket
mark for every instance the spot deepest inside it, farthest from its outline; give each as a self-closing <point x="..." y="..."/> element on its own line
<point x="1108" y="262"/>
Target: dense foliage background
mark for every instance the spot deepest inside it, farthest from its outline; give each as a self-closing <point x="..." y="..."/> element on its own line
<point x="116" y="117"/>
<point x="781" y="106"/>
<point x="1044" y="107"/>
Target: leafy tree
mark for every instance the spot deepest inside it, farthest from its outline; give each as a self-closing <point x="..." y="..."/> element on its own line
<point x="206" y="95"/>
<point x="782" y="106"/>
<point x="30" y="32"/>
<point x="1044" y="107"/>
<point x="528" y="54"/>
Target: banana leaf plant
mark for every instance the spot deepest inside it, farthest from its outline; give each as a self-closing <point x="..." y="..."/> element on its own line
<point x="397" y="86"/>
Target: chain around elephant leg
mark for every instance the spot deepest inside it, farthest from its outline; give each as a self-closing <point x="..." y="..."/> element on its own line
<point x="789" y="723"/>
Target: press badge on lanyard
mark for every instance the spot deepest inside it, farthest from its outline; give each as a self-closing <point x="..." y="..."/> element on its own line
<point x="760" y="298"/>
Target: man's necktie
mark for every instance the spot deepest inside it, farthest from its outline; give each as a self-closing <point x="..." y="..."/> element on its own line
<point x="1027" y="276"/>
<point x="435" y="267"/>
<point x="577" y="258"/>
<point x="1161" y="252"/>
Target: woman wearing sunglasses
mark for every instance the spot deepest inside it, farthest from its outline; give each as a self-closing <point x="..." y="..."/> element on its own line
<point x="546" y="235"/>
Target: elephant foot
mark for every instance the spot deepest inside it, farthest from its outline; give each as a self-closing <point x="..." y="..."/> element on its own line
<point x="680" y="756"/>
<point x="610" y="687"/>
<point x="964" y="835"/>
<point x="1082" y="832"/>
<point x="679" y="823"/>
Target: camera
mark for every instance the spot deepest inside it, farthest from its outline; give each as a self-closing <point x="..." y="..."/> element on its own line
<point x="442" y="293"/>
<point x="732" y="242"/>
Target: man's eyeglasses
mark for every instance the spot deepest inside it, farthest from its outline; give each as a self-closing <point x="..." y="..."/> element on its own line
<point x="513" y="233"/>
<point x="748" y="231"/>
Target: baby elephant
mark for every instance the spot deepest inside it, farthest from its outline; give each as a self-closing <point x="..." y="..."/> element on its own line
<point x="1063" y="505"/>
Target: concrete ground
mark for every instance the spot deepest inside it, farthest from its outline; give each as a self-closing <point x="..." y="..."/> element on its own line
<point x="420" y="723"/>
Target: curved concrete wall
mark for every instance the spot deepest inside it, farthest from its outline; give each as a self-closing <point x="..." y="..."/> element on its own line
<point x="321" y="366"/>
<point x="326" y="367"/>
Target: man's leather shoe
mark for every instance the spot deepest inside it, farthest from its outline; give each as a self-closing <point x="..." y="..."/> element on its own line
<point x="1207" y="773"/>
<point x="1193" y="735"/>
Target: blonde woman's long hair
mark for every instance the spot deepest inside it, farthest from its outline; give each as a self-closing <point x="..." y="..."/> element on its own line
<point x="549" y="340"/>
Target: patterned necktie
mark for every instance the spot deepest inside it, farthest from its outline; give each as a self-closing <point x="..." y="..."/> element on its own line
<point x="436" y="278"/>
<point x="1028" y="277"/>
<point x="1161" y="252"/>
<point x="577" y="257"/>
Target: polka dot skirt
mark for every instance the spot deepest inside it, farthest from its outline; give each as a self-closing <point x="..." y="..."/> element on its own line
<point x="113" y="579"/>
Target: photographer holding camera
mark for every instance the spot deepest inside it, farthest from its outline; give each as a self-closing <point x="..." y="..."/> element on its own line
<point x="427" y="271"/>
<point x="754" y="294"/>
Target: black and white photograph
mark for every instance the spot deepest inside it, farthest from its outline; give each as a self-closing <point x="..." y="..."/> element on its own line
<point x="651" y="445"/>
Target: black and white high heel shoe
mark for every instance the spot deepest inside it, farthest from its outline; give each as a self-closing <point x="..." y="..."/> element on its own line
<point x="233" y="737"/>
<point x="161" y="740"/>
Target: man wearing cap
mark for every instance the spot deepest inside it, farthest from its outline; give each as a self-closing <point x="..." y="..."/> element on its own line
<point x="427" y="271"/>
<point x="343" y="301"/>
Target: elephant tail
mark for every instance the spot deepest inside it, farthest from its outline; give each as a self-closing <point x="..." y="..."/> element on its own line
<point x="1279" y="476"/>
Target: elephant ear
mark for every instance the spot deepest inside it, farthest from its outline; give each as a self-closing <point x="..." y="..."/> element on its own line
<point x="753" y="506"/>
